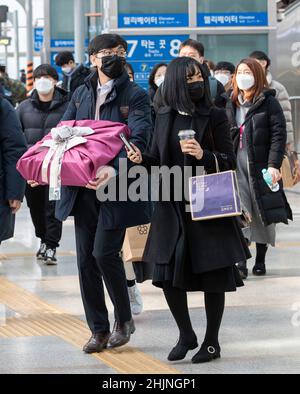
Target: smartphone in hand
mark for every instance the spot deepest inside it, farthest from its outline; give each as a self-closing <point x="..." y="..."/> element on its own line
<point x="127" y="143"/>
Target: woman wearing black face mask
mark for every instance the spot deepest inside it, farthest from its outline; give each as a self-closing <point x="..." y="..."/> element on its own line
<point x="196" y="89"/>
<point x="192" y="255"/>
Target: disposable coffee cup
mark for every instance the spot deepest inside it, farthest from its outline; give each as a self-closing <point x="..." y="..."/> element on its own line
<point x="185" y="135"/>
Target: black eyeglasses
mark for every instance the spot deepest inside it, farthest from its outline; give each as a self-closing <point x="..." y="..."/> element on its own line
<point x="110" y="52"/>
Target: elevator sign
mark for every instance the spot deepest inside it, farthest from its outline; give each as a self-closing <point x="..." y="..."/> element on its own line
<point x="233" y="19"/>
<point x="153" y="20"/>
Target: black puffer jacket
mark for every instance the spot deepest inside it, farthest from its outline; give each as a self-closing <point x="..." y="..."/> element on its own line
<point x="265" y="131"/>
<point x="36" y="122"/>
<point x="77" y="79"/>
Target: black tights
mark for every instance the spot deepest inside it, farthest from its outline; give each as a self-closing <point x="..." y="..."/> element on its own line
<point x="261" y="251"/>
<point x="214" y="307"/>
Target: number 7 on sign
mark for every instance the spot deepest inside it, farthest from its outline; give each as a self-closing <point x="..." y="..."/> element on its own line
<point x="134" y="44"/>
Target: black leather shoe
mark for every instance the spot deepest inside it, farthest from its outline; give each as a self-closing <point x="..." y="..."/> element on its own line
<point x="206" y="353"/>
<point x="97" y="342"/>
<point x="259" y="269"/>
<point x="121" y="333"/>
<point x="180" y="350"/>
<point x="243" y="270"/>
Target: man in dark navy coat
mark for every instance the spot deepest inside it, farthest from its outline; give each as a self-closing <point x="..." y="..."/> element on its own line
<point x="100" y="228"/>
<point x="12" y="185"/>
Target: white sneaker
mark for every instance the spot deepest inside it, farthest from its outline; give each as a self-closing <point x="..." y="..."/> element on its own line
<point x="40" y="254"/>
<point x="50" y="257"/>
<point x="136" y="301"/>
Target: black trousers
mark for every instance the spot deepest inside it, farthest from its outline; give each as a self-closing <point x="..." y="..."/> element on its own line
<point x="42" y="212"/>
<point x="7" y="220"/>
<point x="98" y="258"/>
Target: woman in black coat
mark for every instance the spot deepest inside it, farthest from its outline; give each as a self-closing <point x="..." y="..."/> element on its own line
<point x="189" y="255"/>
<point x="259" y="135"/>
<point x="38" y="114"/>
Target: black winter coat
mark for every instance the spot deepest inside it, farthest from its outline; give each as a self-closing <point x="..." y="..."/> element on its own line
<point x="126" y="103"/>
<point x="12" y="147"/>
<point x="36" y="123"/>
<point x="215" y="243"/>
<point x="265" y="132"/>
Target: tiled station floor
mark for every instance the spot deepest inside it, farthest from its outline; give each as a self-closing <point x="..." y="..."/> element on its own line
<point x="42" y="325"/>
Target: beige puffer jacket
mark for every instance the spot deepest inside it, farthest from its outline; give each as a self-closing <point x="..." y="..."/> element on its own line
<point x="283" y="98"/>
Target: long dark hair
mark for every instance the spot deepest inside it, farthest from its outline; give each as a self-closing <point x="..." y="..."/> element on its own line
<point x="175" y="86"/>
<point x="153" y="73"/>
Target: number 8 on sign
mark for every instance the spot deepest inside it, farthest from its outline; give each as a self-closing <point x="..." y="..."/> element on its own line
<point x="175" y="45"/>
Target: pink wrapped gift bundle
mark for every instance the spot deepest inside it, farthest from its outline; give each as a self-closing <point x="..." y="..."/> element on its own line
<point x="72" y="153"/>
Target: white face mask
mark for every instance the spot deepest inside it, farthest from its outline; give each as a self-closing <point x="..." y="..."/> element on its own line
<point x="245" y="81"/>
<point x="66" y="70"/>
<point x="159" y="81"/>
<point x="223" y="78"/>
<point x="43" y="85"/>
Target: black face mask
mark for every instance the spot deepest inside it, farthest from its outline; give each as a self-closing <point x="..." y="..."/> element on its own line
<point x="196" y="91"/>
<point x="113" y="66"/>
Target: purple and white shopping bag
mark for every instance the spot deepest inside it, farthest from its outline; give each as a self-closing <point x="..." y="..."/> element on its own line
<point x="214" y="196"/>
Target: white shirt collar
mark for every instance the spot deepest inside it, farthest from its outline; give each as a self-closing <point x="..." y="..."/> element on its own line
<point x="106" y="88"/>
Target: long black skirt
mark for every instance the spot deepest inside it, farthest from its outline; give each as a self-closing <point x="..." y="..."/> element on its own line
<point x="181" y="273"/>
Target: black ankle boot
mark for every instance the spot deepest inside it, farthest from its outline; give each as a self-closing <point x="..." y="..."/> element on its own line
<point x="207" y="353"/>
<point x="259" y="269"/>
<point x="243" y="270"/>
<point x="180" y="350"/>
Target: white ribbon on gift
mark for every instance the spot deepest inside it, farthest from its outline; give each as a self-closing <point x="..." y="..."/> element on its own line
<point x="63" y="139"/>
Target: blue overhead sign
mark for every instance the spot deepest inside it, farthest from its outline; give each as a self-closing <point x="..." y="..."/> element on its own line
<point x="38" y="38"/>
<point x="153" y="20"/>
<point x="144" y="52"/>
<point x="62" y="43"/>
<point x="65" y="43"/>
<point x="233" y="19"/>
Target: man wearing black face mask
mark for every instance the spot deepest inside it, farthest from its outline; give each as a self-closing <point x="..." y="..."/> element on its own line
<point x="107" y="94"/>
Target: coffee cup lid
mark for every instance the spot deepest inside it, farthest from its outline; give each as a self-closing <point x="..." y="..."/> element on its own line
<point x="186" y="134"/>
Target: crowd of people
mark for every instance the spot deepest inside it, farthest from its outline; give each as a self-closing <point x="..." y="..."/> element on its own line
<point x="242" y="121"/>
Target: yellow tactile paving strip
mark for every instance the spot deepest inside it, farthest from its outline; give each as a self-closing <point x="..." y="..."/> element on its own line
<point x="10" y="255"/>
<point x="37" y="318"/>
